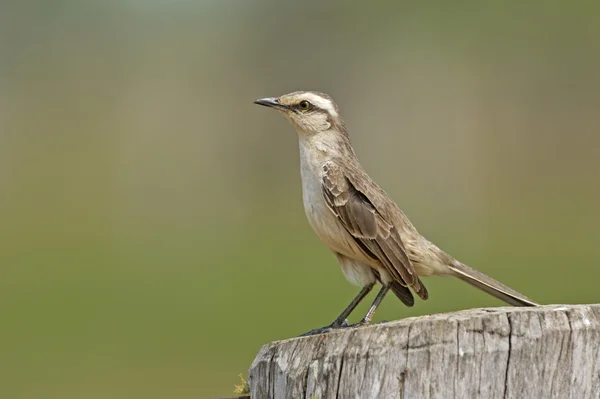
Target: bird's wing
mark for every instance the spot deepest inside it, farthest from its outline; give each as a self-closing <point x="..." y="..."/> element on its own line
<point x="372" y="232"/>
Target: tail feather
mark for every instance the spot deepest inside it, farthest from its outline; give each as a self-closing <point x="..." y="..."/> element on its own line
<point x="403" y="293"/>
<point x="491" y="286"/>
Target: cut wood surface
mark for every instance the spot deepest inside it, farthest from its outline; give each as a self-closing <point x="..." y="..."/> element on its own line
<point x="544" y="352"/>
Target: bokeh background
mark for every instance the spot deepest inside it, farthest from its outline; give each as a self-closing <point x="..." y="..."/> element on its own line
<point x="152" y="235"/>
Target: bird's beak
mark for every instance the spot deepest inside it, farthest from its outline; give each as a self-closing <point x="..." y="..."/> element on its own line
<point x="272" y="102"/>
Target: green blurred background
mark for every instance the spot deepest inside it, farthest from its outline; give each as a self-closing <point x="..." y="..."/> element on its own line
<point x="152" y="235"/>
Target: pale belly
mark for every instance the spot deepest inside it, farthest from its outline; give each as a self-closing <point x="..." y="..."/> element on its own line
<point x="324" y="222"/>
<point x="329" y="230"/>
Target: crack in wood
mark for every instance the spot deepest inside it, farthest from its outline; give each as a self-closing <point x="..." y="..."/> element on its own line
<point x="549" y="352"/>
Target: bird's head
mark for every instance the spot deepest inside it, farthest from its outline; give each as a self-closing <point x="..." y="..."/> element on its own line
<point x="308" y="111"/>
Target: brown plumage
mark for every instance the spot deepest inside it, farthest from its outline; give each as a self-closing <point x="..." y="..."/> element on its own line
<point x="378" y="238"/>
<point x="371" y="237"/>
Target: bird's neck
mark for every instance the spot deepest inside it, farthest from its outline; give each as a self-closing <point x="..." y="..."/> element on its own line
<point x="325" y="146"/>
<point x="315" y="151"/>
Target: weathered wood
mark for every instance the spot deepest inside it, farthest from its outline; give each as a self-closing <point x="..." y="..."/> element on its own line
<point x="545" y="352"/>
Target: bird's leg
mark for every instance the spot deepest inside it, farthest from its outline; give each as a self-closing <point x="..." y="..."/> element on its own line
<point x="341" y="321"/>
<point x="369" y="316"/>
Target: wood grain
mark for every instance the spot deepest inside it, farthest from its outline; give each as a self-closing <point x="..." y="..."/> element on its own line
<point x="544" y="352"/>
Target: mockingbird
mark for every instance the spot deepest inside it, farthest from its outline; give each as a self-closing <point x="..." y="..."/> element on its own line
<point x="370" y="236"/>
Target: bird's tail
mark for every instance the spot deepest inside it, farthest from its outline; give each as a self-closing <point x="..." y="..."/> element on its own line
<point x="489" y="285"/>
<point x="403" y="293"/>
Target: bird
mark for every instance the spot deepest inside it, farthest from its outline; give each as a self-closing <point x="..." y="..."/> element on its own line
<point x="372" y="239"/>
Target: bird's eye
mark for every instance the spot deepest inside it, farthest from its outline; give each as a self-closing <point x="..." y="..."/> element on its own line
<point x="304" y="105"/>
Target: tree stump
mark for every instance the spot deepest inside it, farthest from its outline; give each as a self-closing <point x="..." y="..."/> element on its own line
<point x="544" y="352"/>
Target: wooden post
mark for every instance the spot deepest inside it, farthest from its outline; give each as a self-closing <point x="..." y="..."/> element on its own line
<point x="545" y="352"/>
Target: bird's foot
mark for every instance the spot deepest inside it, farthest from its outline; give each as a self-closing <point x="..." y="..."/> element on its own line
<point x="361" y="323"/>
<point x="326" y="329"/>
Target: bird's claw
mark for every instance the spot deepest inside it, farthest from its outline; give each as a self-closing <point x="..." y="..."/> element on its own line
<point x="335" y="326"/>
<point x="326" y="329"/>
<point x="361" y="323"/>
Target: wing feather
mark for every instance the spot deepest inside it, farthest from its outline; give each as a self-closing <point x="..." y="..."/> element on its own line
<point x="367" y="225"/>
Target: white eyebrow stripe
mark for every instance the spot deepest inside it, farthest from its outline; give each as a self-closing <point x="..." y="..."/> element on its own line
<point x="321" y="102"/>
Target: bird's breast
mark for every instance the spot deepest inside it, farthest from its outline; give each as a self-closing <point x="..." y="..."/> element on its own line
<point x="323" y="221"/>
